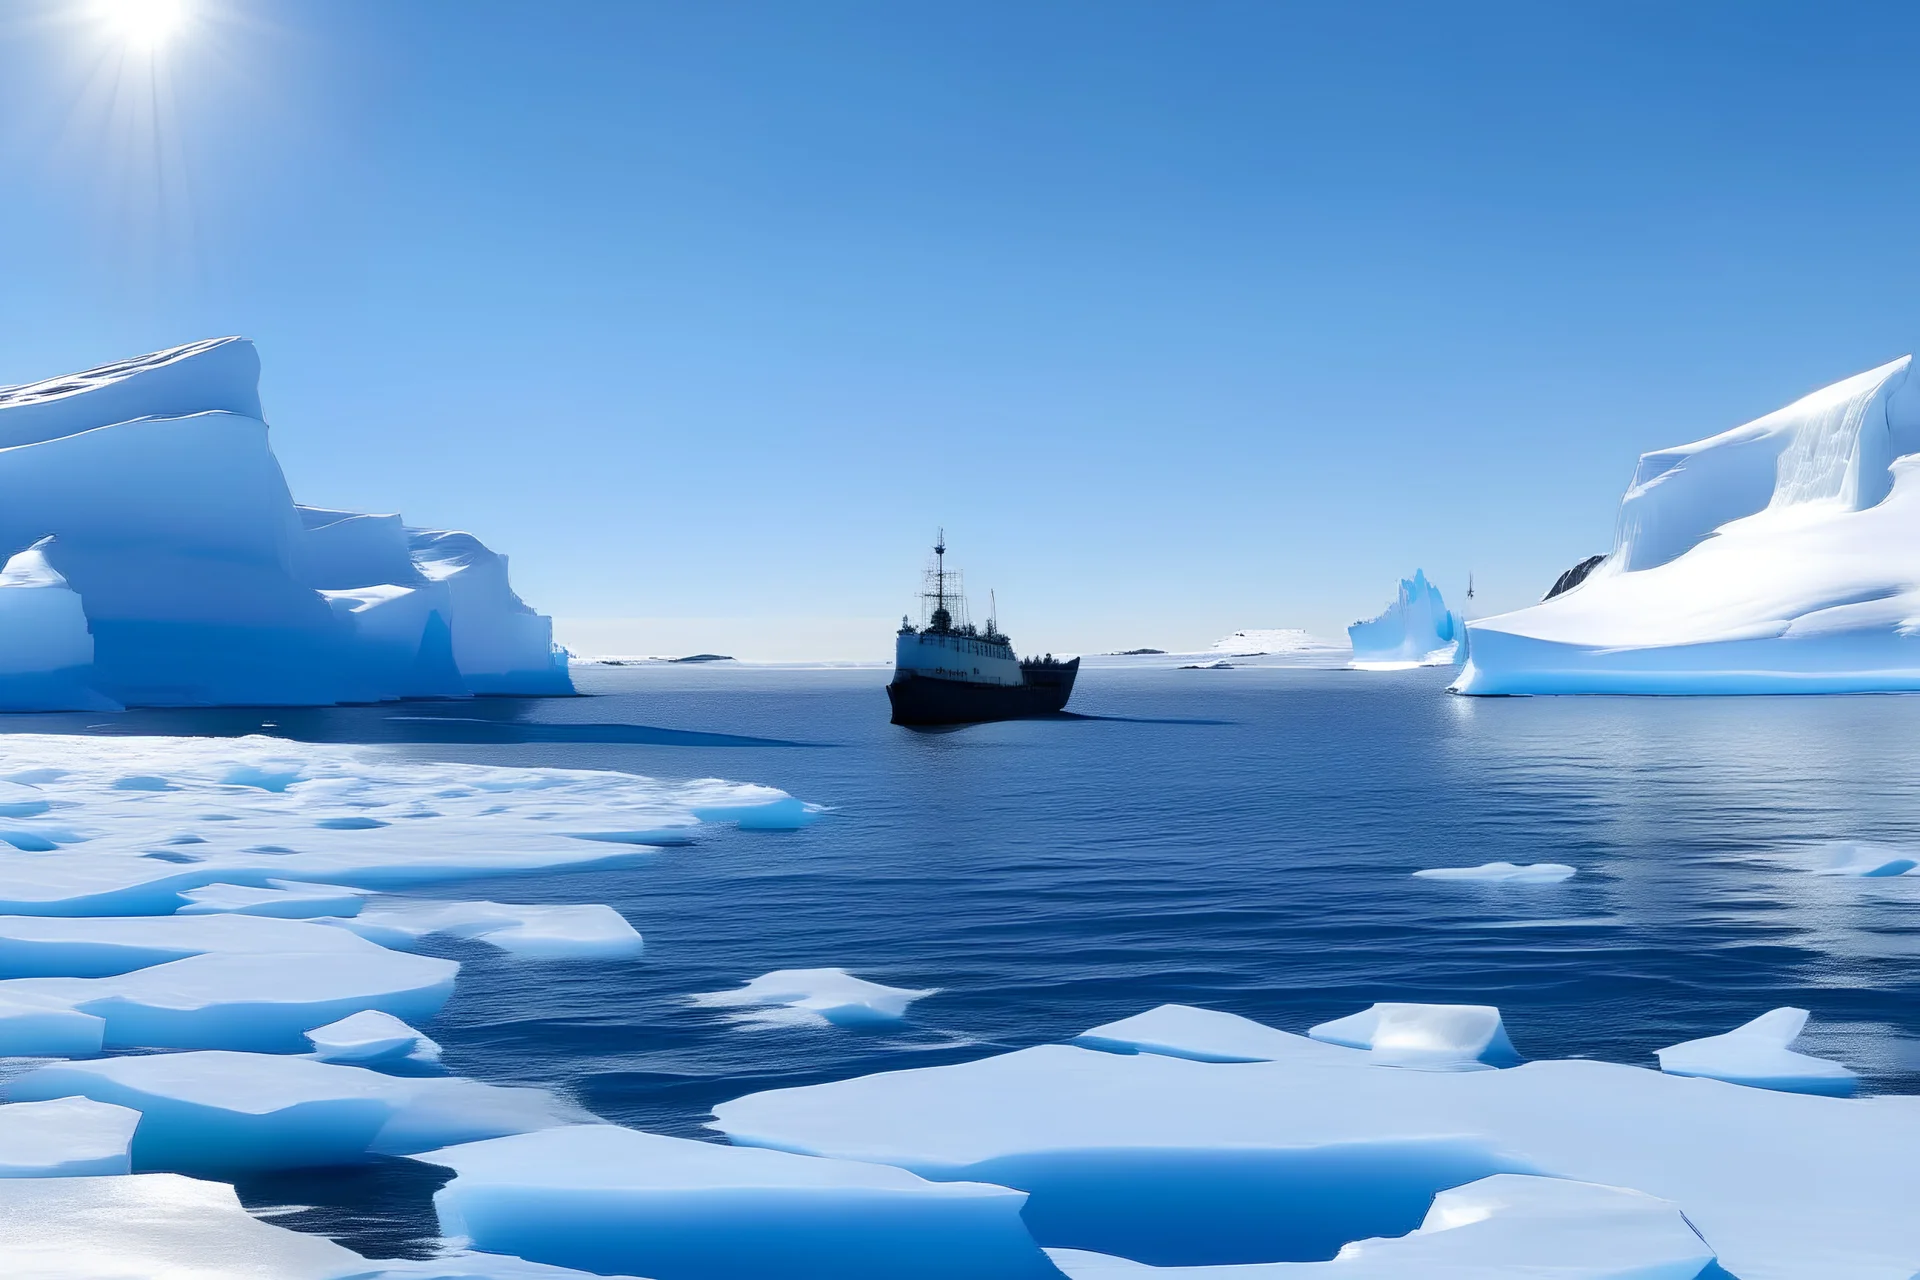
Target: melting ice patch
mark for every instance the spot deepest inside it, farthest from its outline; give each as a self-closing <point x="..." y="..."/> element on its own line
<point x="604" y="1199"/>
<point x="1506" y="1227"/>
<point x="1760" y="1053"/>
<point x="1868" y="861"/>
<point x="788" y="997"/>
<point x="1504" y="873"/>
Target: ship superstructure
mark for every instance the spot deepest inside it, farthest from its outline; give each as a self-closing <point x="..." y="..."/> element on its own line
<point x="949" y="671"/>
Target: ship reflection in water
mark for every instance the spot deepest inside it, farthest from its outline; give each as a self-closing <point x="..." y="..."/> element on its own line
<point x="952" y="672"/>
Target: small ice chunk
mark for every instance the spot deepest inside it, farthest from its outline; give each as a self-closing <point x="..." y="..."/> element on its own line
<point x="579" y="932"/>
<point x="1868" y="861"/>
<point x="790" y="996"/>
<point x="1504" y="872"/>
<point x="370" y="1036"/>
<point x="1430" y="1036"/>
<point x="1506" y="1227"/>
<point x="1204" y="1035"/>
<point x="283" y="899"/>
<point x="1760" y="1054"/>
<point x="607" y="1199"/>
<point x="221" y="1112"/>
<point x="34" y="1026"/>
<point x="153" y="1225"/>
<point x="64" y="1138"/>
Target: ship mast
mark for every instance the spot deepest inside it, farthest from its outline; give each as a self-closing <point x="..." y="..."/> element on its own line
<point x="942" y="616"/>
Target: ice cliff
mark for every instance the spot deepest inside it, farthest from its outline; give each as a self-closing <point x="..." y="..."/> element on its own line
<point x="155" y="557"/>
<point x="1416" y="630"/>
<point x="1782" y="556"/>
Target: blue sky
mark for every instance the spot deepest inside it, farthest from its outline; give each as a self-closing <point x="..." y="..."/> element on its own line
<point x="1179" y="317"/>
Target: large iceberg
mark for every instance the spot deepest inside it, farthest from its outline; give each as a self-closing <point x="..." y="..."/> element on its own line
<point x="1782" y="556"/>
<point x="154" y="557"/>
<point x="1417" y="629"/>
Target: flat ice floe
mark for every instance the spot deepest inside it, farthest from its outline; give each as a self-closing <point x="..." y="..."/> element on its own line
<point x="1504" y="873"/>
<point x="134" y="824"/>
<point x="1506" y="1227"/>
<point x="1431" y="1036"/>
<point x="581" y="932"/>
<point x="1781" y="556"/>
<point x="65" y="1138"/>
<point x="220" y="1112"/>
<point x="1174" y="1162"/>
<point x="1760" y="1053"/>
<point x="1868" y="861"/>
<point x="604" y="1199"/>
<point x="371" y="1037"/>
<point x="1205" y="1035"/>
<point x="813" y="996"/>
<point x="286" y="899"/>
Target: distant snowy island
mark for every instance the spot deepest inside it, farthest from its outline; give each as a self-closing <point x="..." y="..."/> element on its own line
<point x="1782" y="556"/>
<point x="155" y="557"/>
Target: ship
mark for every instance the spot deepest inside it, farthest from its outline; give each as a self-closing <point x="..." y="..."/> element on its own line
<point x="948" y="671"/>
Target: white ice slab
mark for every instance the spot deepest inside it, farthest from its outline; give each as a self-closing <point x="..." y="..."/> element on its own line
<point x="573" y="932"/>
<point x="220" y="1112"/>
<point x="1504" y="873"/>
<point x="1205" y="1035"/>
<point x="1171" y="1161"/>
<point x="1507" y="1227"/>
<point x="607" y="1199"/>
<point x="64" y="1138"/>
<point x="467" y="1264"/>
<point x="44" y="1026"/>
<point x="285" y="899"/>
<point x="1430" y="1036"/>
<point x="370" y="1037"/>
<point x="1868" y="861"/>
<point x="1760" y="1053"/>
<point x="814" y="996"/>
<point x="155" y="1226"/>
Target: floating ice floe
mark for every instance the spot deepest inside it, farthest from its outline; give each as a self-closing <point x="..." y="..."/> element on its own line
<point x="789" y="996"/>
<point x="1504" y="873"/>
<point x="287" y="899"/>
<point x="1417" y="630"/>
<point x="1781" y="556"/>
<point x="371" y="1037"/>
<point x="1506" y="1227"/>
<point x="548" y="933"/>
<point x="46" y="1026"/>
<point x="201" y="982"/>
<point x="1868" y="861"/>
<point x="1205" y="1035"/>
<point x="157" y="558"/>
<point x="64" y="1138"/>
<point x="135" y="823"/>
<point x="1432" y="1036"/>
<point x="1174" y="1162"/>
<point x="1760" y="1053"/>
<point x="603" y="1199"/>
<point x="221" y="1112"/>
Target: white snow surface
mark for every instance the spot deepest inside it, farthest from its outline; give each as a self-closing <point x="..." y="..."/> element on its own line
<point x="789" y="997"/>
<point x="154" y="556"/>
<point x="1416" y="630"/>
<point x="223" y="1112"/>
<point x="1504" y="873"/>
<point x="1782" y="556"/>
<point x="1247" y="644"/>
<point x="65" y="1138"/>
<point x="1506" y="1227"/>
<point x="368" y="1037"/>
<point x="1205" y="1035"/>
<point x="602" y="1198"/>
<point x="1430" y="1036"/>
<point x="286" y="899"/>
<point x="576" y="932"/>
<point x="1760" y="1053"/>
<point x="1170" y="1161"/>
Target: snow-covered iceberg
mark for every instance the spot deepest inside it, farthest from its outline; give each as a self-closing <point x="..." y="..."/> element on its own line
<point x="1760" y="1053"/>
<point x="155" y="557"/>
<point x="1416" y="630"/>
<point x="1431" y="1036"/>
<point x="1782" y="556"/>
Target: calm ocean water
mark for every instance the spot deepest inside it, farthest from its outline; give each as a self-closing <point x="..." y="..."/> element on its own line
<point x="1238" y="839"/>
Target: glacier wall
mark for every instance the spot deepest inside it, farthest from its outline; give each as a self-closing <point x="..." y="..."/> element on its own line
<point x="155" y="557"/>
<point x="1417" y="629"/>
<point x="1782" y="556"/>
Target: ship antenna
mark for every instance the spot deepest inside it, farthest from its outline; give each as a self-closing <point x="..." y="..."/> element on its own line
<point x="993" y="612"/>
<point x="940" y="574"/>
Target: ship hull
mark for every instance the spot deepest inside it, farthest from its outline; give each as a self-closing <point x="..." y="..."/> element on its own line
<point x="929" y="700"/>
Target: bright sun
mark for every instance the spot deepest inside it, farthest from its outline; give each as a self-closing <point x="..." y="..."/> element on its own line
<point x="145" y="24"/>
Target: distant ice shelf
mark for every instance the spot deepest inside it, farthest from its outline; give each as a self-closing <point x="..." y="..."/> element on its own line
<point x="153" y="556"/>
<point x="1782" y="556"/>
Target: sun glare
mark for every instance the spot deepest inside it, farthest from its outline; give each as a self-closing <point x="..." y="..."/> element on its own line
<point x="144" y="24"/>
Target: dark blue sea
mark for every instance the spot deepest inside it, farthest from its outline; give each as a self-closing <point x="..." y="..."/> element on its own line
<point x="1238" y="839"/>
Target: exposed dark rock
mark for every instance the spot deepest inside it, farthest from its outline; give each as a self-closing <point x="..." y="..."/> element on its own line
<point x="1137" y="653"/>
<point x="1573" y="577"/>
